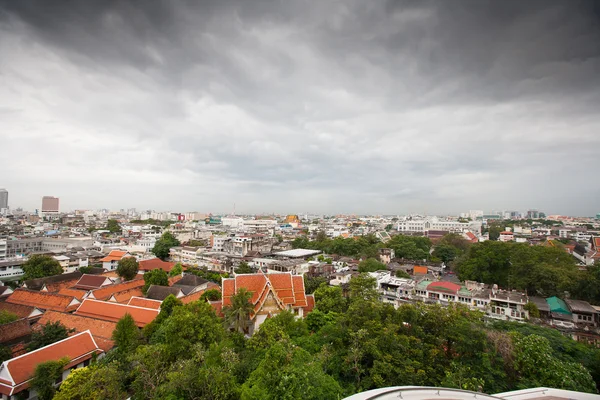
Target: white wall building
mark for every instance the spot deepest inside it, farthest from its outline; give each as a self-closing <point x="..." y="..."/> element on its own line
<point x="436" y="224"/>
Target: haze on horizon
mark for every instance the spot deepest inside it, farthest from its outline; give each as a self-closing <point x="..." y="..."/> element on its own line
<point x="314" y="106"/>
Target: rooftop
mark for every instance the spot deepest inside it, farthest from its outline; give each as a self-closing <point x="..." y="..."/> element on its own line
<point x="109" y="311"/>
<point x="43" y="300"/>
<point x="297" y="253"/>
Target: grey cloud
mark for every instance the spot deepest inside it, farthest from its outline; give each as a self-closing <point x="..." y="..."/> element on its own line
<point x="383" y="106"/>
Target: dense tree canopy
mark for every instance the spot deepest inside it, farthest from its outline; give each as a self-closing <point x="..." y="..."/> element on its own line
<point x="371" y="265"/>
<point x="244" y="268"/>
<point x="177" y="270"/>
<point x="49" y="333"/>
<point x="345" y="345"/>
<point x="113" y="226"/>
<point x="7" y="317"/>
<point x="45" y="376"/>
<point x="163" y="245"/>
<point x="128" y="268"/>
<point x="40" y="266"/>
<point x="155" y="277"/>
<point x="540" y="270"/>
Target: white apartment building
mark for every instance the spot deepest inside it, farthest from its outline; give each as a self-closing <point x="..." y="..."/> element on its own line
<point x="3" y="247"/>
<point x="259" y="224"/>
<point x="436" y="224"/>
<point x="147" y="243"/>
<point x="232" y="222"/>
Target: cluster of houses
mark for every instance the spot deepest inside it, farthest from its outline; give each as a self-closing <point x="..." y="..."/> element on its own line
<point x="90" y="305"/>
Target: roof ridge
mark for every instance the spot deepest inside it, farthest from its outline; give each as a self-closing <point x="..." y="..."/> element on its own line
<point x="51" y="344"/>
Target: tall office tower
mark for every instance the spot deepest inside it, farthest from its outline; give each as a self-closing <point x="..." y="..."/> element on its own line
<point x="49" y="205"/>
<point x="3" y="198"/>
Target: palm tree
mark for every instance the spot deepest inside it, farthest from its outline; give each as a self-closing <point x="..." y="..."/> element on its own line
<point x="238" y="313"/>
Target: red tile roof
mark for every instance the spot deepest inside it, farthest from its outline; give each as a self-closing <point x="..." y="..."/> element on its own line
<point x="310" y="303"/>
<point x="109" y="311"/>
<point x="43" y="300"/>
<point x="20" y="310"/>
<point x="77" y="293"/>
<point x="156" y="263"/>
<point x="125" y="295"/>
<point x="447" y="287"/>
<point x="196" y="296"/>
<point x="217" y="306"/>
<point x="114" y="255"/>
<point x="107" y="291"/>
<point x="14" y="330"/>
<point x="54" y="287"/>
<point x="100" y="329"/>
<point x="506" y="233"/>
<point x="288" y="290"/>
<point x="597" y="243"/>
<point x="91" y="282"/>
<point x="15" y="372"/>
<point x="146" y="303"/>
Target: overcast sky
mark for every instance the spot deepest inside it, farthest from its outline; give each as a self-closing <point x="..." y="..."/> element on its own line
<point x="302" y="106"/>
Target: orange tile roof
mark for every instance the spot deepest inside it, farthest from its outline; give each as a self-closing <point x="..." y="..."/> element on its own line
<point x="43" y="300"/>
<point x="14" y="330"/>
<point x="146" y="303"/>
<point x="597" y="243"/>
<point x="110" y="311"/>
<point x="288" y="290"/>
<point x="156" y="263"/>
<point x="125" y="295"/>
<point x="310" y="303"/>
<point x="107" y="291"/>
<point x="114" y="255"/>
<point x="55" y="287"/>
<point x="77" y="293"/>
<point x="20" y="369"/>
<point x="99" y="329"/>
<point x="217" y="306"/>
<point x="174" y="279"/>
<point x="196" y="296"/>
<point x="22" y="311"/>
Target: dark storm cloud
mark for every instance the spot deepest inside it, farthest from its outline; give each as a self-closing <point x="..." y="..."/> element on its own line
<point x="355" y="106"/>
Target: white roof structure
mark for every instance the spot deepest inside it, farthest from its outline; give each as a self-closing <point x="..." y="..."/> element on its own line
<point x="297" y="253"/>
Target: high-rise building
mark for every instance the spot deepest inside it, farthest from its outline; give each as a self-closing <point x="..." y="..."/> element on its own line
<point x="3" y="198"/>
<point x="49" y="205"/>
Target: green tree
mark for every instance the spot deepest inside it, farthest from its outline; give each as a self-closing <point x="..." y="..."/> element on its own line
<point x="44" y="377"/>
<point x="238" y="313"/>
<point x="155" y="277"/>
<point x="330" y="299"/>
<point x="93" y="383"/>
<point x="51" y="332"/>
<point x="163" y="245"/>
<point x="312" y="283"/>
<point x="244" y="268"/>
<point x="5" y="353"/>
<point x="177" y="270"/>
<point x="402" y="274"/>
<point x="288" y="372"/>
<point x="534" y="312"/>
<point x="211" y="294"/>
<point x="113" y="226"/>
<point x="445" y="252"/>
<point x="128" y="268"/>
<point x="40" y="266"/>
<point x="126" y="335"/>
<point x="7" y="317"/>
<point x="410" y="247"/>
<point x="371" y="265"/>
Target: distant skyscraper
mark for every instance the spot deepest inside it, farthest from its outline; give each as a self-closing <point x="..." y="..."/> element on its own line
<point x="49" y="205"/>
<point x="3" y="198"/>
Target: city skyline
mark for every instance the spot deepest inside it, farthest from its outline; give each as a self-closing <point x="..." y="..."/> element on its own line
<point x="379" y="107"/>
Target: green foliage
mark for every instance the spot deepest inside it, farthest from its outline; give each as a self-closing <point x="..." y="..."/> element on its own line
<point x="155" y="277"/>
<point x="128" y="268"/>
<point x="197" y="243"/>
<point x="244" y="268"/>
<point x="537" y="367"/>
<point x="163" y="245"/>
<point x="410" y="247"/>
<point x="113" y="226"/>
<point x="212" y="276"/>
<point x="86" y="270"/>
<point x="402" y="274"/>
<point x="330" y="299"/>
<point x="445" y="252"/>
<point x="40" y="266"/>
<point x="534" y="311"/>
<point x="371" y="265"/>
<point x="312" y="283"/>
<point x="238" y="313"/>
<point x="5" y="353"/>
<point x="50" y="333"/>
<point x="152" y="221"/>
<point x="540" y="270"/>
<point x="288" y="372"/>
<point x="211" y="294"/>
<point x="7" y="317"/>
<point x="44" y="377"/>
<point x="126" y="335"/>
<point x="363" y="246"/>
<point x="93" y="383"/>
<point x="177" y="270"/>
